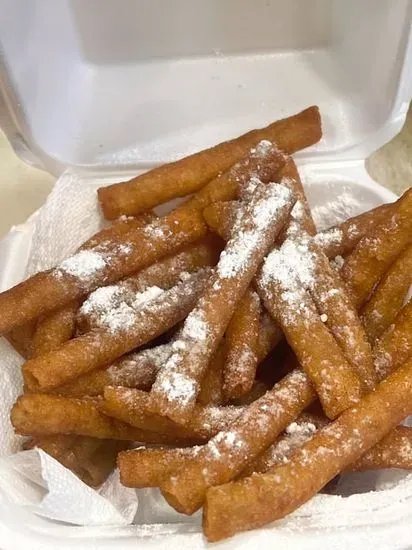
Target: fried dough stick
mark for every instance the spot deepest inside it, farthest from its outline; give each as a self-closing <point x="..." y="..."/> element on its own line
<point x="375" y="253"/>
<point x="263" y="498"/>
<point x="242" y="336"/>
<point x="59" y="326"/>
<point x="387" y="298"/>
<point x="101" y="347"/>
<point x="178" y="383"/>
<point x="190" y="174"/>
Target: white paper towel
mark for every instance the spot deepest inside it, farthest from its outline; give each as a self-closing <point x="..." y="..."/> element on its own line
<point x="36" y="481"/>
<point x="32" y="478"/>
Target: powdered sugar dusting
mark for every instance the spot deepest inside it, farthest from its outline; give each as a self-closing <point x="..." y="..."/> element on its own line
<point x="179" y="387"/>
<point x="84" y="264"/>
<point x="195" y="327"/>
<point x="244" y="242"/>
<point x="118" y="311"/>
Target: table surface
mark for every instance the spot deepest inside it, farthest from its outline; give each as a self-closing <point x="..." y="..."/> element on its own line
<point x="23" y="188"/>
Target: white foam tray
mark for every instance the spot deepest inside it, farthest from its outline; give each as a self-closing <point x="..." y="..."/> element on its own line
<point x="109" y="89"/>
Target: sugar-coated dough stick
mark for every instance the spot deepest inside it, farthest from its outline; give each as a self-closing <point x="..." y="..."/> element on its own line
<point x="220" y="217"/>
<point x="295" y="435"/>
<point x="341" y="239"/>
<point x="178" y="383"/>
<point x="394" y="347"/>
<point x="263" y="498"/>
<point x="324" y="284"/>
<point x="132" y="406"/>
<point x="375" y="252"/>
<point x="54" y="329"/>
<point x="190" y="174"/>
<point x="228" y="453"/>
<point x="270" y="334"/>
<point x="338" y="240"/>
<point x="135" y="370"/>
<point x="88" y="269"/>
<point x="281" y="285"/>
<point x="119" y="227"/>
<point x="241" y="338"/>
<point x="301" y="211"/>
<point x="124" y="331"/>
<point x="259" y="388"/>
<point x="91" y="459"/>
<point x="388" y="296"/>
<point x="39" y="414"/>
<point x="211" y="391"/>
<point x="340" y="316"/>
<point x="164" y="274"/>
<point x="149" y="467"/>
<point x="143" y="467"/>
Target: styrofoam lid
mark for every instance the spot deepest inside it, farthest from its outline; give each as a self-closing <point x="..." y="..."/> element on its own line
<point x="108" y="84"/>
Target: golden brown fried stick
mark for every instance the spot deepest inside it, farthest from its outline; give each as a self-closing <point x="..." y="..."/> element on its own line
<point x="394" y="451"/>
<point x="281" y="285"/>
<point x="54" y="329"/>
<point x="301" y="218"/>
<point x="132" y="406"/>
<point x="190" y="174"/>
<point x="178" y="383"/>
<point x="211" y="391"/>
<point x="38" y="415"/>
<point x="242" y="335"/>
<point x="270" y="335"/>
<point x="135" y="370"/>
<point x="389" y="295"/>
<point x="375" y="252"/>
<point x="228" y="453"/>
<point x="263" y="498"/>
<point x="338" y="313"/>
<point x="394" y="347"/>
<point x="149" y="467"/>
<point x="164" y="274"/>
<point x="125" y="330"/>
<point x="21" y="339"/>
<point x="338" y="240"/>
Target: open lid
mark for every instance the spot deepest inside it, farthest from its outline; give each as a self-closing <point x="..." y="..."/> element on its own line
<point x="112" y="86"/>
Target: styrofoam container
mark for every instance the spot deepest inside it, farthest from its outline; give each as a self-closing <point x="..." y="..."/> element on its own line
<point x="111" y="88"/>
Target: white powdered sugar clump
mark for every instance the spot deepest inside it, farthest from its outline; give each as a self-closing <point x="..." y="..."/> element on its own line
<point x="329" y="238"/>
<point x="244" y="242"/>
<point x="292" y="264"/>
<point x="337" y="211"/>
<point x="121" y="315"/>
<point x="83" y="265"/>
<point x="296" y="434"/>
<point x="195" y="327"/>
<point x="149" y="294"/>
<point x="178" y="387"/>
<point x="104" y="298"/>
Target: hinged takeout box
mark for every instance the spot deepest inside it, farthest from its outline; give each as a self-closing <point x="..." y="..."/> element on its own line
<point x="108" y="89"/>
